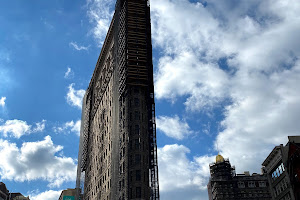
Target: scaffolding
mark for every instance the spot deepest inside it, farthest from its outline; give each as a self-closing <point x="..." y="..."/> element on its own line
<point x="132" y="67"/>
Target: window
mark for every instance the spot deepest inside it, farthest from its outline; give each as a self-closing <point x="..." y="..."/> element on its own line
<point x="137" y="115"/>
<point x="241" y="185"/>
<point x="137" y="144"/>
<point x="138" y="192"/>
<point x="137" y="129"/>
<point x="137" y="158"/>
<point x="136" y="90"/>
<point x="138" y="175"/>
<point x="251" y="184"/>
<point x="278" y="171"/>
<point x="262" y="184"/>
<point x="136" y="102"/>
<point x="130" y="193"/>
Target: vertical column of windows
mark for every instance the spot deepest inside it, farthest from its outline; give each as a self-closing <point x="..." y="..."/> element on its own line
<point x="123" y="145"/>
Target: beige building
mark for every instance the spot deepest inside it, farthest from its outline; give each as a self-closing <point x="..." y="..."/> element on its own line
<point x="68" y="193"/>
<point x="118" y="150"/>
<point x="17" y="196"/>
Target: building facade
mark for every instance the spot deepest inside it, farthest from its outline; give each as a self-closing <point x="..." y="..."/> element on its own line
<point x="68" y="194"/>
<point x="17" y="196"/>
<point x="283" y="170"/>
<point x="4" y="193"/>
<point x="225" y="184"/>
<point x="118" y="152"/>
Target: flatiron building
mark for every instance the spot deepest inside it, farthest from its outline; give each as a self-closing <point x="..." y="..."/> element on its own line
<point x="118" y="152"/>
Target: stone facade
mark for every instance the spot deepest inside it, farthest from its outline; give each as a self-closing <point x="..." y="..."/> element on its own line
<point x="225" y="184"/>
<point x="67" y="193"/>
<point x="118" y="151"/>
<point x="283" y="170"/>
<point x="4" y="193"/>
<point x="17" y="196"/>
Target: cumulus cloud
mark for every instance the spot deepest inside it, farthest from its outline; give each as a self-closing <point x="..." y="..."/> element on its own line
<point x="69" y="73"/>
<point x="189" y="63"/>
<point x="220" y="54"/>
<point x="179" y="176"/>
<point x="36" y="160"/>
<point x="68" y="127"/>
<point x="100" y="13"/>
<point x="74" y="97"/>
<point x="2" y="101"/>
<point x="265" y="112"/>
<point x="241" y="54"/>
<point x="173" y="127"/>
<point x="77" y="47"/>
<point x="47" y="195"/>
<point x="18" y="128"/>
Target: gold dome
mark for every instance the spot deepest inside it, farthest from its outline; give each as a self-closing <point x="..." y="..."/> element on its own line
<point x="219" y="158"/>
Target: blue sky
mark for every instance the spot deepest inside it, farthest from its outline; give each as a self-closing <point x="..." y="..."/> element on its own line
<point x="227" y="78"/>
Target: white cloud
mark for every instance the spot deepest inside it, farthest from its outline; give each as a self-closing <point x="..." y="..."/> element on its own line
<point x="74" y="97"/>
<point x="78" y="48"/>
<point x="47" y="195"/>
<point x="244" y="53"/>
<point x="187" y="66"/>
<point x="100" y="13"/>
<point x="173" y="127"/>
<point x="205" y="83"/>
<point x="70" y="126"/>
<point x="265" y="112"/>
<point x="17" y="128"/>
<point x="179" y="176"/>
<point x="40" y="126"/>
<point x="36" y="160"/>
<point x="69" y="73"/>
<point x="2" y="101"/>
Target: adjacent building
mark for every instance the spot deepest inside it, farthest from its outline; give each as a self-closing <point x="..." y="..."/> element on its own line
<point x="225" y="184"/>
<point x="17" y="196"/>
<point x="118" y="152"/>
<point x="68" y="194"/>
<point x="4" y="193"/>
<point x="282" y="167"/>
